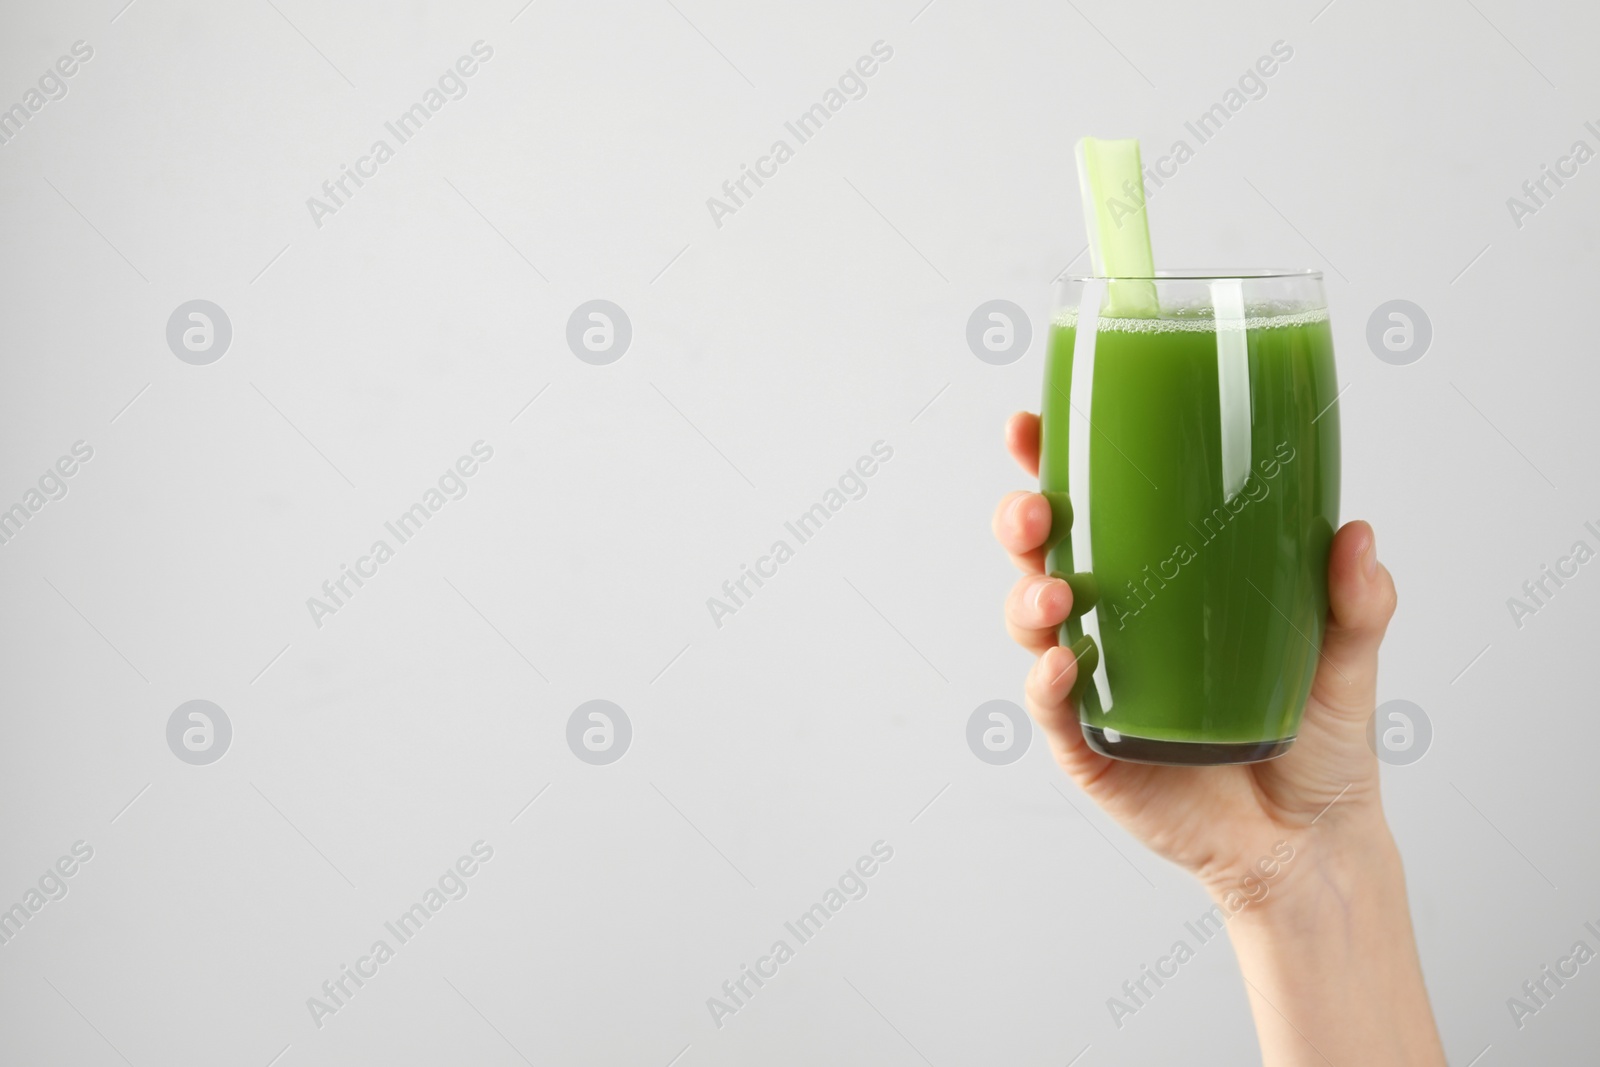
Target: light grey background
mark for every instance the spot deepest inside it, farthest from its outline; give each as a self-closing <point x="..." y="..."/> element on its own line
<point x="767" y="355"/>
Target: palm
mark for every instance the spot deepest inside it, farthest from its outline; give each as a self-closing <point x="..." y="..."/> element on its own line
<point x="1215" y="819"/>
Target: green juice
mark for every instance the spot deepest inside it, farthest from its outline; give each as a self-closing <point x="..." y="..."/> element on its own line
<point x="1207" y="505"/>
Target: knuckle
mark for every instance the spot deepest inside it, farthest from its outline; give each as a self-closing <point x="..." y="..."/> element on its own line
<point x="1391" y="597"/>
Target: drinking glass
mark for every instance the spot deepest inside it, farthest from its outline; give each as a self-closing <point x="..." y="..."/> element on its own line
<point x="1189" y="448"/>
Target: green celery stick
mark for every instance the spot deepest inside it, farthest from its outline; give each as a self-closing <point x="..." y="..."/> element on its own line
<point x="1111" y="180"/>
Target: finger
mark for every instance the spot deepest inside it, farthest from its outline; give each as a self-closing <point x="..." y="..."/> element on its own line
<point x="1021" y="525"/>
<point x="1047" y="693"/>
<point x="1036" y="607"/>
<point x="1022" y="441"/>
<point x="1361" y="601"/>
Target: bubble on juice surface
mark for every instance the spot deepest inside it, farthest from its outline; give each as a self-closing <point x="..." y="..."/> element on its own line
<point x="1197" y="320"/>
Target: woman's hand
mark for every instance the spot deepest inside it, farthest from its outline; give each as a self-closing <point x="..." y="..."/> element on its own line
<point x="1213" y="821"/>
<point x="1341" y="901"/>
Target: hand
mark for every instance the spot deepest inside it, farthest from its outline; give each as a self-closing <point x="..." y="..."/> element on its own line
<point x="1215" y="822"/>
<point x="1342" y="901"/>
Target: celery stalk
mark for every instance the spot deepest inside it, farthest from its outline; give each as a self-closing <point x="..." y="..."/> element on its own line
<point x="1111" y="180"/>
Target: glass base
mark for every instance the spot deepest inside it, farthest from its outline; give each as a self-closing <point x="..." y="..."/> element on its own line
<point x="1180" y="753"/>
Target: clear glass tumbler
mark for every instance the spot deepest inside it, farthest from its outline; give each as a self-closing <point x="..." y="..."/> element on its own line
<point x="1190" y="452"/>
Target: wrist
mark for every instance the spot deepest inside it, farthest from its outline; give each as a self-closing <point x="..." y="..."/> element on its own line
<point x="1314" y="871"/>
<point x="1330" y="941"/>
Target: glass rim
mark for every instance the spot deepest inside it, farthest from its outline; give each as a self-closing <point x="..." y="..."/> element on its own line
<point x="1204" y="274"/>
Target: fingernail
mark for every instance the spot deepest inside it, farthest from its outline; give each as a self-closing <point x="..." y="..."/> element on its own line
<point x="1061" y="662"/>
<point x="1040" y="588"/>
<point x="1012" y="512"/>
<point x="1370" y="560"/>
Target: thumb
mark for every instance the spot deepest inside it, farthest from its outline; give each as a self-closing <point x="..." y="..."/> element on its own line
<point x="1361" y="601"/>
